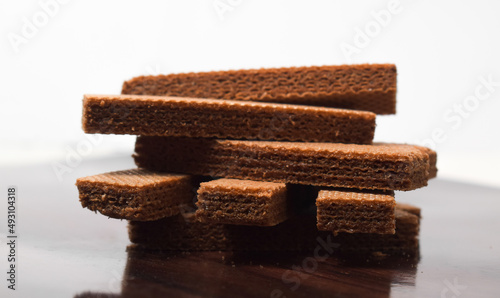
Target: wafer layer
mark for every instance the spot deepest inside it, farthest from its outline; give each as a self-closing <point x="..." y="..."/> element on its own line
<point x="187" y="234"/>
<point x="355" y="212"/>
<point x="404" y="240"/>
<point x="408" y="208"/>
<point x="135" y="194"/>
<point x="358" y="87"/>
<point x="194" y="117"/>
<point x="432" y="160"/>
<point x="242" y="202"/>
<point x="380" y="166"/>
<point x="296" y="234"/>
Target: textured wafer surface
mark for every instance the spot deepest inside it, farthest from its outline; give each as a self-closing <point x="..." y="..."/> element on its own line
<point x="355" y="212"/>
<point x="358" y="87"/>
<point x="195" y="117"/>
<point x="381" y="166"/>
<point x="135" y="194"/>
<point x="242" y="202"/>
<point x="405" y="239"/>
<point x="432" y="160"/>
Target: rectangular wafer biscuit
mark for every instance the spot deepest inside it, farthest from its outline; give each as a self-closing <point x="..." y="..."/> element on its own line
<point x="242" y="202"/>
<point x="405" y="239"/>
<point x="368" y="87"/>
<point x="135" y="194"/>
<point x="356" y="212"/>
<point x="380" y="166"/>
<point x="299" y="233"/>
<point x="206" y="118"/>
<point x="432" y="160"/>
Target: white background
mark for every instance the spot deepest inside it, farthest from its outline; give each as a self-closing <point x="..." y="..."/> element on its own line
<point x="442" y="50"/>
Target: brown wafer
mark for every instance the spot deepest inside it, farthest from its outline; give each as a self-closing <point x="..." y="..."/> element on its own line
<point x="135" y="194"/>
<point x="179" y="233"/>
<point x="242" y="202"/>
<point x="355" y="212"/>
<point x="432" y="160"/>
<point x="186" y="234"/>
<point x="405" y="239"/>
<point x="194" y="117"/>
<point x="368" y="87"/>
<point x="408" y="208"/>
<point x="386" y="167"/>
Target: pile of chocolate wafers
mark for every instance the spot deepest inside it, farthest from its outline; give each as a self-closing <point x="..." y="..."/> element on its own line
<point x="267" y="159"/>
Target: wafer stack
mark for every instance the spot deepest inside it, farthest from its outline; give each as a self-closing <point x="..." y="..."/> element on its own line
<point x="266" y="159"/>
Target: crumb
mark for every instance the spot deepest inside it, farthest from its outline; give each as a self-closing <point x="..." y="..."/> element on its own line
<point x="379" y="254"/>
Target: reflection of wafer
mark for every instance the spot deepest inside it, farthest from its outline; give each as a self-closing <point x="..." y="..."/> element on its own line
<point x="389" y="167"/>
<point x="242" y="202"/>
<point x="358" y="87"/>
<point x="194" y="117"/>
<point x="355" y="212"/>
<point x="135" y="194"/>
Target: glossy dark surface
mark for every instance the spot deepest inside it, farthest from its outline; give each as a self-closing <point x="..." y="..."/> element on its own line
<point x="67" y="251"/>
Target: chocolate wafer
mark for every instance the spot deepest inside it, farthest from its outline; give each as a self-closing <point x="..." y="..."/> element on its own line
<point x="356" y="212"/>
<point x="405" y="240"/>
<point x="408" y="208"/>
<point x="380" y="166"/>
<point x="135" y="194"/>
<point x="299" y="233"/>
<point x="184" y="233"/>
<point x="368" y="87"/>
<point x="242" y="202"/>
<point x="194" y="117"/>
<point x="432" y="160"/>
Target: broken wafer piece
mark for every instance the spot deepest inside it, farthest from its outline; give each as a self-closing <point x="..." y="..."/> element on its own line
<point x="355" y="212"/>
<point x="206" y="118"/>
<point x="135" y="194"/>
<point x="380" y="166"/>
<point x="242" y="202"/>
<point x="367" y="87"/>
